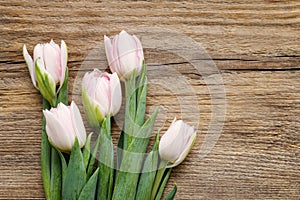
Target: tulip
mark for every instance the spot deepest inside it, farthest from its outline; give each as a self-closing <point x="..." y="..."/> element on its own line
<point x="101" y="96"/>
<point x="63" y="125"/>
<point x="176" y="143"/>
<point x="48" y="67"/>
<point x="124" y="54"/>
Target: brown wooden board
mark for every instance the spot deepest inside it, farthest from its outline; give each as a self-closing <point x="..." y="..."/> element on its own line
<point x="254" y="44"/>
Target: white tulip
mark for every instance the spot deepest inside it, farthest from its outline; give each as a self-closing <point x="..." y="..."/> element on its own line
<point x="101" y="95"/>
<point x="176" y="143"/>
<point x="124" y="54"/>
<point x="63" y="125"/>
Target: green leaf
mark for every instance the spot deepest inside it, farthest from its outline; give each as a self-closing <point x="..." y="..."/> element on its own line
<point x="106" y="162"/>
<point x="132" y="94"/>
<point x="45" y="154"/>
<point x="120" y="149"/>
<point x="93" y="157"/>
<point x="89" y="190"/>
<point x="148" y="173"/>
<point x="86" y="150"/>
<point x="141" y="79"/>
<point x="141" y="105"/>
<point x="140" y="141"/>
<point x="130" y="108"/>
<point x="125" y="185"/>
<point x="75" y="176"/>
<point x="163" y="184"/>
<point x="63" y="165"/>
<point x="56" y="177"/>
<point x="63" y="92"/>
<point x="127" y="176"/>
<point x="172" y="194"/>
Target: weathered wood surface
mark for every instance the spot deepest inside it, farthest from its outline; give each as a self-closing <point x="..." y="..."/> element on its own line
<point x="255" y="44"/>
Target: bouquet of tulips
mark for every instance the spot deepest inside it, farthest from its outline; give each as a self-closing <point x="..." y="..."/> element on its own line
<point x="73" y="167"/>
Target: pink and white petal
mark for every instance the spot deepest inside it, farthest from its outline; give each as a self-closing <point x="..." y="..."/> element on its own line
<point x="64" y="115"/>
<point x="125" y="43"/>
<point x="128" y="62"/>
<point x="30" y="65"/>
<point x="116" y="94"/>
<point x="109" y="52"/>
<point x="139" y="53"/>
<point x="116" y="56"/>
<point x="78" y="124"/>
<point x="64" y="61"/>
<point x="54" y="45"/>
<point x="89" y="82"/>
<point x="127" y="52"/>
<point x="171" y="143"/>
<point x="102" y="97"/>
<point x="52" y="62"/>
<point x="57" y="133"/>
<point x="38" y="51"/>
<point x="185" y="152"/>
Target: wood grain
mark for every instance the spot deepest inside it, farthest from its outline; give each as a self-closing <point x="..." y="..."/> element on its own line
<point x="255" y="45"/>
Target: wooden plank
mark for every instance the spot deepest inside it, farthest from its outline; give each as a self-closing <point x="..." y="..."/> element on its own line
<point x="255" y="46"/>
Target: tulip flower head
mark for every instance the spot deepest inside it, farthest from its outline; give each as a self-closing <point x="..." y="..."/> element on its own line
<point x="124" y="54"/>
<point x="48" y="67"/>
<point x="63" y="125"/>
<point x="176" y="143"/>
<point x="101" y="95"/>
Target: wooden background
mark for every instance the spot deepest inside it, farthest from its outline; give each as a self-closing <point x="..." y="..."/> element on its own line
<point x="255" y="44"/>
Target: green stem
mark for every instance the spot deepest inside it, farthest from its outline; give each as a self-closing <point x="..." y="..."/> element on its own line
<point x="56" y="175"/>
<point x="45" y="155"/>
<point x="163" y="184"/>
<point x="127" y="122"/>
<point x="158" y="178"/>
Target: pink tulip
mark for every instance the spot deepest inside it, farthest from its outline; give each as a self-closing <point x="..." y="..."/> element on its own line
<point x="102" y="96"/>
<point x="124" y="54"/>
<point x="176" y="143"/>
<point x="63" y="125"/>
<point x="51" y="59"/>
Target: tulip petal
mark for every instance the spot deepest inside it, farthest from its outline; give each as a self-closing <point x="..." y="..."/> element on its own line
<point x="78" y="124"/>
<point x="88" y="82"/>
<point x="127" y="53"/>
<point x="52" y="61"/>
<point x="102" y="97"/>
<point x="57" y="133"/>
<point x="63" y="64"/>
<point x="30" y="65"/>
<point x="116" y="94"/>
<point x="63" y="114"/>
<point x="116" y="56"/>
<point x="185" y="152"/>
<point x="139" y="54"/>
<point x="171" y="143"/>
<point x="109" y="53"/>
<point x="54" y="45"/>
<point x="38" y="52"/>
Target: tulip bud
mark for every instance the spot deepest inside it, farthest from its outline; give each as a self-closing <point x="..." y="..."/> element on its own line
<point x="101" y="96"/>
<point x="176" y="143"/>
<point x="48" y="67"/>
<point x="124" y="54"/>
<point x="63" y="125"/>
